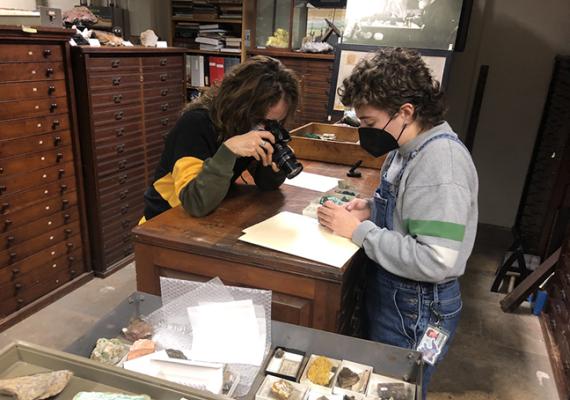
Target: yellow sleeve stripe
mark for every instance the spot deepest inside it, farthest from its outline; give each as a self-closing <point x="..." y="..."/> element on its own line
<point x="165" y="187"/>
<point x="185" y="169"/>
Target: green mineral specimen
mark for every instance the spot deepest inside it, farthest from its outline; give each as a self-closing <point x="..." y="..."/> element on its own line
<point x="109" y="351"/>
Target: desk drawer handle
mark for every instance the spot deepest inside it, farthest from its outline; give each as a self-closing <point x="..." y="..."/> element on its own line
<point x="123" y="179"/>
<point x="55" y="124"/>
<point x="70" y="260"/>
<point x="119" y="115"/>
<point x="52" y="107"/>
<point x="57" y="141"/>
<point x="47" y="53"/>
<point x="117" y="98"/>
<point x="72" y="272"/>
<point x="163" y="62"/>
<point x="122" y="164"/>
<point x="18" y="286"/>
<point x="10" y="240"/>
<point x="163" y="77"/>
<point x="120" y="132"/>
<point x="164" y="107"/>
<point x="115" y="63"/>
<point x="4" y="207"/>
<point x="67" y="232"/>
<point x="124" y="209"/>
<point x="66" y="218"/>
<point x="49" y="72"/>
<point x="69" y="246"/>
<point x="120" y="148"/>
<point x="59" y="157"/>
<point x="164" y="121"/>
<point x="7" y="223"/>
<point x="51" y="89"/>
<point x="13" y="256"/>
<point x="123" y="194"/>
<point x="2" y="189"/>
<point x="20" y="303"/>
<point x="64" y="204"/>
<point x="62" y="188"/>
<point x="117" y="81"/>
<point x="164" y="92"/>
<point x="60" y="173"/>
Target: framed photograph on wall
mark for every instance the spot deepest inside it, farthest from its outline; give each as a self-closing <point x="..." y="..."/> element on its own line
<point x="348" y="56"/>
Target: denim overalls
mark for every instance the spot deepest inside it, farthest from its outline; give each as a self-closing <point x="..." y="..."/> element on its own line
<point x="398" y="310"/>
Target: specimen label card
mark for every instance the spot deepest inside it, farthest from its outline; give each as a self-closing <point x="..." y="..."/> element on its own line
<point x="318" y="183"/>
<point x="301" y="236"/>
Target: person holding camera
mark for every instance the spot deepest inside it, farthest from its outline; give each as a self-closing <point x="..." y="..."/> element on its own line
<point x="419" y="228"/>
<point x="220" y="135"/>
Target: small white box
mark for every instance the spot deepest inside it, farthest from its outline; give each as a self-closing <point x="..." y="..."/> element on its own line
<point x="358" y="389"/>
<point x="265" y="392"/>
<point x="385" y="388"/>
<point x="323" y="389"/>
<point x="317" y="394"/>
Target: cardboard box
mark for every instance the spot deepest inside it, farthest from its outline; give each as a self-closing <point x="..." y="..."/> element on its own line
<point x="344" y="150"/>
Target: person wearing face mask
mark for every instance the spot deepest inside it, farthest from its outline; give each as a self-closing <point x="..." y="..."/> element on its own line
<point x="419" y="228"/>
<point x="221" y="135"/>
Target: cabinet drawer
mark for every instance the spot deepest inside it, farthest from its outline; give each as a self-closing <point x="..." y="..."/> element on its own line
<point x="107" y="64"/>
<point x="123" y="207"/>
<point x="13" y="237"/>
<point x="113" y="165"/>
<point x="164" y="90"/>
<point x="162" y="62"/>
<point x="17" y="219"/>
<point x="19" y="252"/>
<point x="115" y="150"/>
<point x="31" y="72"/>
<point x="100" y="82"/>
<point x="162" y="108"/>
<point x="116" y="182"/>
<point x="30" y="52"/>
<point x="174" y="98"/>
<point x="115" y="98"/>
<point x="121" y="224"/>
<point x="15" y="201"/>
<point x="32" y="108"/>
<point x="116" y="115"/>
<point x="43" y="287"/>
<point x="34" y="161"/>
<point x="32" y="90"/>
<point x="38" y="143"/>
<point x="165" y="122"/>
<point x="129" y="193"/>
<point x="43" y="258"/>
<point x="14" y="183"/>
<point x="18" y="128"/>
<point x="163" y="76"/>
<point x="125" y="131"/>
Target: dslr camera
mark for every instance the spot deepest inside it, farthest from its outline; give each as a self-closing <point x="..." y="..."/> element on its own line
<point x="282" y="154"/>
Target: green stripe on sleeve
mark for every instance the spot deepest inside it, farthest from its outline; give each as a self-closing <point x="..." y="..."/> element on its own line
<point x="441" y="229"/>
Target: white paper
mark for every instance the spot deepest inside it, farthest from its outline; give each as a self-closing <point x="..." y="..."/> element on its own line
<point x="94" y="42"/>
<point x="301" y="236"/>
<point x="226" y="332"/>
<point x="318" y="183"/>
<point x="161" y="44"/>
<point x="199" y="375"/>
<point x="72" y="42"/>
<point x="127" y="43"/>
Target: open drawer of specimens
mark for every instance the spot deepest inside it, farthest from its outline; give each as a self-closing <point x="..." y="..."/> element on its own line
<point x="293" y="375"/>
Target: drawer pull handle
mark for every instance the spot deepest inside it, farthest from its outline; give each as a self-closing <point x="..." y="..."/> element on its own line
<point x="47" y="53"/>
<point x="51" y="89"/>
<point x="120" y="148"/>
<point x="164" y="121"/>
<point x="123" y="179"/>
<point x="49" y="72"/>
<point x="123" y="194"/>
<point x="117" y="98"/>
<point x="119" y="115"/>
<point x="71" y="259"/>
<point x="52" y="107"/>
<point x="120" y="132"/>
<point x="18" y="286"/>
<point x="66" y="218"/>
<point x="163" y="77"/>
<point x="10" y="240"/>
<point x="64" y="204"/>
<point x="13" y="256"/>
<point x="15" y="271"/>
<point x="164" y="92"/>
<point x="124" y="209"/>
<point x="122" y="164"/>
<point x="20" y="302"/>
<point x="164" y="107"/>
<point x="67" y="232"/>
<point x="55" y="124"/>
<point x="57" y="141"/>
<point x="72" y="272"/>
<point x="59" y="157"/>
<point x="115" y="63"/>
<point x="60" y="173"/>
<point x="4" y="207"/>
<point x="7" y="223"/>
<point x="117" y="81"/>
<point x="163" y="62"/>
<point x="2" y="189"/>
<point x="69" y="246"/>
<point x="63" y="188"/>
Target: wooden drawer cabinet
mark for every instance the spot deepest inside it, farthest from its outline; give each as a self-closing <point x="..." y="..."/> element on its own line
<point x="127" y="99"/>
<point x="42" y="220"/>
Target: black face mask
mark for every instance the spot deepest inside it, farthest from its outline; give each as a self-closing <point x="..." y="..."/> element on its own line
<point x="378" y="141"/>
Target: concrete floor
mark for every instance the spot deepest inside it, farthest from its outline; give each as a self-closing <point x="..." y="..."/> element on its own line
<point x="494" y="355"/>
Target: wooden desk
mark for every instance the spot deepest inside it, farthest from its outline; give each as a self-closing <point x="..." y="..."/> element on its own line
<point x="305" y="292"/>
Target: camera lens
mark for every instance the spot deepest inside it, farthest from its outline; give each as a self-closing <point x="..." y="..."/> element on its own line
<point x="286" y="160"/>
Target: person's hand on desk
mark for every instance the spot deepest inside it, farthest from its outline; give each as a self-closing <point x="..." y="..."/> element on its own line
<point x="256" y="144"/>
<point x="338" y="219"/>
<point x="360" y="208"/>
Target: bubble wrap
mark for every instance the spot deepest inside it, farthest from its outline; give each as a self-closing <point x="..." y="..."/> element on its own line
<point x="172" y="325"/>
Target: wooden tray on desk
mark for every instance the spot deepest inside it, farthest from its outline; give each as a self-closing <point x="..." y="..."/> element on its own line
<point x="344" y="150"/>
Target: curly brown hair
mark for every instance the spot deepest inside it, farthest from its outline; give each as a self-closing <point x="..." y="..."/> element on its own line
<point x="246" y="94"/>
<point x="391" y="78"/>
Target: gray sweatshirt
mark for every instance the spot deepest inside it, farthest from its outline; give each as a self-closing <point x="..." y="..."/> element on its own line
<point x="435" y="219"/>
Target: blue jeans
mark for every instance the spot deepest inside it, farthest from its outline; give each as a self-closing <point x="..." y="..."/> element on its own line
<point x="399" y="310"/>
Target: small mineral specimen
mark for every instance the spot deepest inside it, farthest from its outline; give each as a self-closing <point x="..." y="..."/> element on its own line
<point x="172" y="353"/>
<point x="149" y="38"/>
<point x="108" y="39"/>
<point x="282" y="389"/>
<point x="138" y="329"/>
<point x="36" y="387"/>
<point x="140" y="348"/>
<point x="109" y="396"/>
<point x="109" y="352"/>
<point x="347" y="378"/>
<point x="279" y="353"/>
<point x="320" y="370"/>
<point x="392" y="391"/>
<point x="79" y="15"/>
